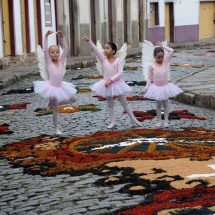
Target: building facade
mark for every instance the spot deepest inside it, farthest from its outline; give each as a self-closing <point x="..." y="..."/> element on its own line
<point x="117" y="20"/>
<point x="23" y="23"/>
<point x="180" y="20"/>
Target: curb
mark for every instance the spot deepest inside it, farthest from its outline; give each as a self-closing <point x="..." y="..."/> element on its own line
<point x="201" y="100"/>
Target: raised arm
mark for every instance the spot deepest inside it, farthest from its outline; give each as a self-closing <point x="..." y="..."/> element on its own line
<point x="119" y="71"/>
<point x="99" y="54"/>
<point x="65" y="50"/>
<point x="169" y="53"/>
<point x="46" y="49"/>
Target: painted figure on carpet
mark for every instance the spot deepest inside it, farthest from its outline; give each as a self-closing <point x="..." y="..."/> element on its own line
<point x="52" y="63"/>
<point x="110" y="64"/>
<point x="155" y="62"/>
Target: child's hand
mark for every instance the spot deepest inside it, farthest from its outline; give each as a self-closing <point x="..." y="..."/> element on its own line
<point x="48" y="33"/>
<point x="159" y="43"/>
<point x="108" y="82"/>
<point x="60" y="33"/>
<point x="85" y="38"/>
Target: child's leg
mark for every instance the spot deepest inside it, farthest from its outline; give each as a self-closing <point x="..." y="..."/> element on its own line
<point x="71" y="100"/>
<point x="54" y="105"/>
<point x="158" y="111"/>
<point x="110" y="104"/>
<point x="124" y="103"/>
<point x="166" y="112"/>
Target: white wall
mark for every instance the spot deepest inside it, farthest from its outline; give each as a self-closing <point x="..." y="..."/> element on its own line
<point x="84" y="11"/>
<point x="119" y="13"/>
<point x="187" y="12"/>
<point x="18" y="26"/>
<point x="31" y="26"/>
<point x="134" y="10"/>
<point x="1" y="33"/>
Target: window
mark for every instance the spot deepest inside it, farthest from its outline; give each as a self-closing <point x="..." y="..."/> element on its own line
<point x="48" y="14"/>
<point x="154" y="14"/>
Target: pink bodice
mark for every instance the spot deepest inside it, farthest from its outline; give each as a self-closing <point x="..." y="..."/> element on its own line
<point x="159" y="73"/>
<point x="55" y="72"/>
<point x="111" y="71"/>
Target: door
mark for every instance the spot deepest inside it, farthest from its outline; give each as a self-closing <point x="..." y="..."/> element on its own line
<point x="93" y="20"/>
<point x="207" y="20"/>
<point x="6" y="28"/>
<point x="35" y="22"/>
<point x="24" y="40"/>
<point x="169" y="22"/>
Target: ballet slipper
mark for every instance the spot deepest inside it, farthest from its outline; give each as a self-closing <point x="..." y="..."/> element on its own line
<point x="159" y="124"/>
<point x="58" y="132"/>
<point x="166" y="124"/>
<point x="112" y="125"/>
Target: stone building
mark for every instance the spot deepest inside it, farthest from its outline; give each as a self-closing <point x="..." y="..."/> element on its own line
<point x="180" y="20"/>
<point x="116" y="20"/>
<point x="23" y="23"/>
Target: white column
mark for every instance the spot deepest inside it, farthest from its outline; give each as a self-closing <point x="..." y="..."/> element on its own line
<point x="18" y="27"/>
<point x="31" y="25"/>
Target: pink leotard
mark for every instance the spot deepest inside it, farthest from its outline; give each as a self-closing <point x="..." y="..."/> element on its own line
<point x="55" y="72"/>
<point x="159" y="74"/>
<point x="111" y="71"/>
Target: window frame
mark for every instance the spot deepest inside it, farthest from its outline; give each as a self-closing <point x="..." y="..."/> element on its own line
<point x="48" y="23"/>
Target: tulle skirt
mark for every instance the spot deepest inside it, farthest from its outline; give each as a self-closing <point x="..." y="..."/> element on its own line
<point x="116" y="88"/>
<point x="162" y="92"/>
<point x="63" y="92"/>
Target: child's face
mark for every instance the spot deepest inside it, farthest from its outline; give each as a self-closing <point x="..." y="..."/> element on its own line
<point x="54" y="52"/>
<point x="159" y="57"/>
<point x="108" y="51"/>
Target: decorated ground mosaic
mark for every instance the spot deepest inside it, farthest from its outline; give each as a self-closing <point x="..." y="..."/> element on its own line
<point x="172" y="170"/>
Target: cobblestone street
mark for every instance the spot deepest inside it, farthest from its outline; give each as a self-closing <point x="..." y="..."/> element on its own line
<point x="22" y="193"/>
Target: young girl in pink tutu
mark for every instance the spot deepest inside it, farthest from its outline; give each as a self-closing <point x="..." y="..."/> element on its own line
<point x="160" y="90"/>
<point x="112" y="84"/>
<point x="52" y="69"/>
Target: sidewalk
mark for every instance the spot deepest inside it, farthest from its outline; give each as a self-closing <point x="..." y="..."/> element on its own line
<point x="199" y="89"/>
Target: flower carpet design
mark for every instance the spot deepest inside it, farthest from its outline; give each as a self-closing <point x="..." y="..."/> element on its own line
<point x="4" y="129"/>
<point x="172" y="170"/>
<point x="88" y="77"/>
<point x="20" y="91"/>
<point x="68" y="109"/>
<point x="173" y="115"/>
<point x="19" y="106"/>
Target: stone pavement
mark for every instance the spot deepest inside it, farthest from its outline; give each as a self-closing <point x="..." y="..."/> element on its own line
<point x="199" y="95"/>
<point x="22" y="193"/>
<point x="199" y="88"/>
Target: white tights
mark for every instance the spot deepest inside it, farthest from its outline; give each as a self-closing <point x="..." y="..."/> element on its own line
<point x="166" y="110"/>
<point x="55" y="116"/>
<point x="124" y="103"/>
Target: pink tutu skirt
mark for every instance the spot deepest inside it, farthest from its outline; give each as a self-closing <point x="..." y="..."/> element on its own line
<point x="162" y="92"/>
<point x="116" y="88"/>
<point x="63" y="92"/>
